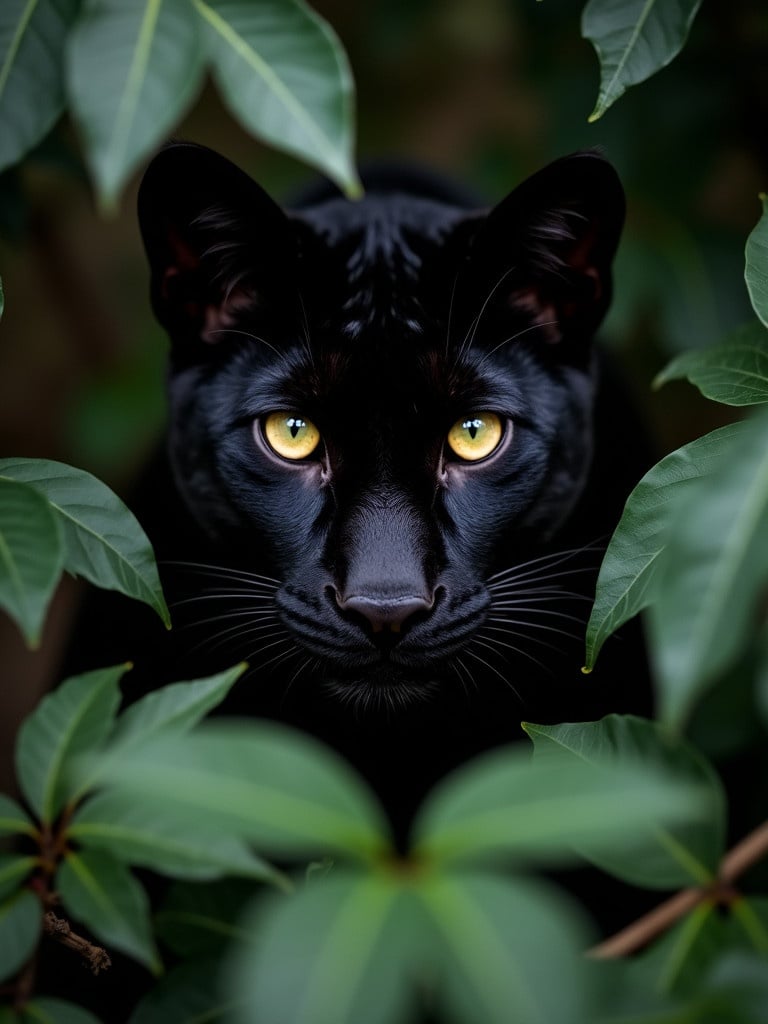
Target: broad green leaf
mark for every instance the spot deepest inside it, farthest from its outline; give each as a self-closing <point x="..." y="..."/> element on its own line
<point x="188" y="994"/>
<point x="13" y="870"/>
<point x="146" y="61"/>
<point x="72" y="720"/>
<point x="715" y="573"/>
<point x="31" y="557"/>
<point x="503" y="805"/>
<point x="147" y="834"/>
<point x="102" y="893"/>
<point x="342" y="951"/>
<point x="634" y="39"/>
<point x="756" y="270"/>
<point x="54" y="1011"/>
<point x="13" y="820"/>
<point x="505" y="951"/>
<point x="735" y="373"/>
<point x="255" y="780"/>
<point x="177" y="707"/>
<point x="285" y="76"/>
<point x="21" y="918"/>
<point x="32" y="34"/>
<point x="103" y="540"/>
<point x="665" y="856"/>
<point x="196" y="919"/>
<point x="629" y="575"/>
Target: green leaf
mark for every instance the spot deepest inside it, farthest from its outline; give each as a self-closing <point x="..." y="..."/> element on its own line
<point x="756" y="270"/>
<point x="285" y="76"/>
<point x="629" y="575"/>
<point x="342" y="951"/>
<point x="102" y="893"/>
<point x="255" y="780"/>
<point x="13" y="821"/>
<point x="681" y="853"/>
<point x="197" y="919"/>
<point x="21" y="918"/>
<point x="72" y="720"/>
<point x="146" y="60"/>
<point x="177" y="707"/>
<point x="32" y="36"/>
<point x="634" y="39"/>
<point x="504" y="806"/>
<point x="506" y="951"/>
<point x="147" y="834"/>
<point x="715" y="573"/>
<point x="31" y="557"/>
<point x="188" y="994"/>
<point x="55" y="1011"/>
<point x="735" y="373"/>
<point x="103" y="540"/>
<point x="13" y="870"/>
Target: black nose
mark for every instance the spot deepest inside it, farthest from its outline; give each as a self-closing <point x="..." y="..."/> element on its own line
<point x="385" y="614"/>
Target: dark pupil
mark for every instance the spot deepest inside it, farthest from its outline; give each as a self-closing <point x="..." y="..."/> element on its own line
<point x="295" y="425"/>
<point x="472" y="427"/>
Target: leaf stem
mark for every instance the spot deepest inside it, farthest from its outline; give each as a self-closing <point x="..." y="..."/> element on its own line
<point x="638" y="934"/>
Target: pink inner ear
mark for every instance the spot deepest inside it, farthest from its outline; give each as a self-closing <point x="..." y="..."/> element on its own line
<point x="545" y="323"/>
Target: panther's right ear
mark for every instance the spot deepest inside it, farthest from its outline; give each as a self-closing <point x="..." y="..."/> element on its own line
<point x="217" y="243"/>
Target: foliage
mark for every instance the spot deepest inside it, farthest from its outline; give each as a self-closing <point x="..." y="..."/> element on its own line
<point x="456" y="925"/>
<point x="128" y="72"/>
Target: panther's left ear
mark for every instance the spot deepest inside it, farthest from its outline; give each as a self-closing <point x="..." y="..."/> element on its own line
<point x="548" y="246"/>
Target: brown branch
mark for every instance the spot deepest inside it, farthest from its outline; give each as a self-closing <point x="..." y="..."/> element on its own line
<point x="638" y="934"/>
<point x="59" y="929"/>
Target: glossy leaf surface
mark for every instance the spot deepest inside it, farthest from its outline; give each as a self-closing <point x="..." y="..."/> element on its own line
<point x="735" y="373"/>
<point x="103" y="540"/>
<point x="285" y="76"/>
<point x="31" y="557"/>
<point x="634" y="39"/>
<point x="629" y="575"/>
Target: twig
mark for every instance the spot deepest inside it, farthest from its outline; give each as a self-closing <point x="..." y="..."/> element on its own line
<point x="59" y="929"/>
<point x="638" y="934"/>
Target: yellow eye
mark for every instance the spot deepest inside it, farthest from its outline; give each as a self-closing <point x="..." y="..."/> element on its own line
<point x="291" y="435"/>
<point x="475" y="436"/>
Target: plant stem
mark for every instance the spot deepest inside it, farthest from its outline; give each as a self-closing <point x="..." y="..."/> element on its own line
<point x="638" y="934"/>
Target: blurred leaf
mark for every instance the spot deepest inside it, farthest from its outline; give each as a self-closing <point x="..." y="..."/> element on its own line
<point x="173" y="708"/>
<point x="21" y="918"/>
<point x="735" y="373"/>
<point x="756" y="270"/>
<point x="132" y="71"/>
<point x="31" y="557"/>
<point x="684" y="852"/>
<point x="196" y="919"/>
<point x="500" y="945"/>
<point x="503" y="805"/>
<point x="148" y="835"/>
<point x="634" y="39"/>
<point x="32" y="34"/>
<point x="285" y="76"/>
<point x="629" y="575"/>
<point x="104" y="542"/>
<point x="188" y="994"/>
<point x="715" y="571"/>
<point x="341" y="951"/>
<point x="255" y="780"/>
<point x="102" y="893"/>
<point x="54" y="1011"/>
<point x="72" y="720"/>
<point x="13" y="820"/>
<point x="762" y="677"/>
<point x="13" y="870"/>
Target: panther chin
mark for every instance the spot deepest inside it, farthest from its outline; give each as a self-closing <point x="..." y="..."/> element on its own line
<point x="384" y="686"/>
